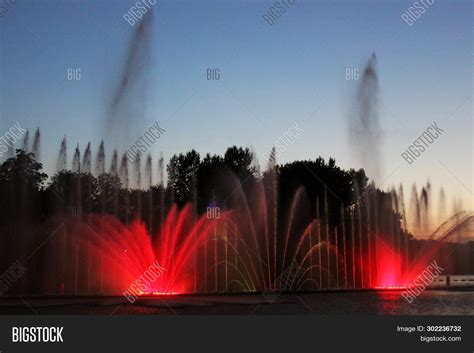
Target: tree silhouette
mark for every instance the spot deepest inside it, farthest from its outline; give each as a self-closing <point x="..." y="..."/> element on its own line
<point x="21" y="180"/>
<point x="182" y="171"/>
<point x="22" y="169"/>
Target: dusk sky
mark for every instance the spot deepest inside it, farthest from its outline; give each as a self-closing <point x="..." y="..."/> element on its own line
<point x="272" y="76"/>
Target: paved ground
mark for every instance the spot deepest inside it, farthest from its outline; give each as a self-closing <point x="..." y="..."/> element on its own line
<point x="430" y="302"/>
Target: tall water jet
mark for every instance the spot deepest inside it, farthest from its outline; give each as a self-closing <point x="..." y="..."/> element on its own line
<point x="149" y="183"/>
<point x="360" y="245"/>
<point x="423" y="226"/>
<point x="76" y="160"/>
<point x="328" y="242"/>
<point x="457" y="205"/>
<point x="376" y="243"/>
<point x="126" y="113"/>
<point x="318" y="232"/>
<point x="414" y="210"/>
<point x="457" y="210"/>
<point x="394" y="200"/>
<point x="137" y="172"/>
<point x="344" y="246"/>
<point x="114" y="164"/>
<point x="161" y="170"/>
<point x="442" y="212"/>
<point x="364" y="126"/>
<point x="86" y="168"/>
<point x="395" y="224"/>
<point x="403" y="214"/>
<point x="353" y="246"/>
<point x="272" y="237"/>
<point x="100" y="159"/>
<point x="62" y="158"/>
<point x="123" y="172"/>
<point x="424" y="210"/>
<point x="148" y="171"/>
<point x="35" y="148"/>
<point x="26" y="143"/>
<point x="161" y="183"/>
<point x="86" y="161"/>
<point x="402" y="209"/>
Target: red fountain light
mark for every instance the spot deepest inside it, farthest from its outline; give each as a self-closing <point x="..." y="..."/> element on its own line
<point x="159" y="294"/>
<point x="122" y="254"/>
<point x="389" y="271"/>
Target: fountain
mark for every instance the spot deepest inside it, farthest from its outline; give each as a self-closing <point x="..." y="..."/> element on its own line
<point x="234" y="230"/>
<point x="245" y="239"/>
<point x="62" y="158"/>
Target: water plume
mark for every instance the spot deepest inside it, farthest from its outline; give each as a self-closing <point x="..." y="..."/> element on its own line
<point x="149" y="171"/>
<point x="364" y="125"/>
<point x="100" y="159"/>
<point x="161" y="169"/>
<point x="62" y="158"/>
<point x="457" y="205"/>
<point x="114" y="164"/>
<point x="401" y="204"/>
<point x="86" y="161"/>
<point x="137" y="173"/>
<point x="394" y="200"/>
<point x="26" y="143"/>
<point x="414" y="209"/>
<point x="36" y="145"/>
<point x="424" y="212"/>
<point x="442" y="212"/>
<point x="126" y="113"/>
<point x="76" y="160"/>
<point x="123" y="172"/>
<point x="424" y="217"/>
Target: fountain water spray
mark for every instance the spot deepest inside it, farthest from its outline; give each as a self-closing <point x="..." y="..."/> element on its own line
<point x="26" y="143"/>
<point x="137" y="172"/>
<point x="364" y="126"/>
<point x="86" y="161"/>
<point x="123" y="172"/>
<point x="62" y="158"/>
<point x="149" y="171"/>
<point x="126" y="113"/>
<point x="114" y="164"/>
<point x="76" y="161"/>
<point x="100" y="159"/>
<point x="35" y="149"/>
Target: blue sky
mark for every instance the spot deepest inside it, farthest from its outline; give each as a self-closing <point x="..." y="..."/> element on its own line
<point x="271" y="77"/>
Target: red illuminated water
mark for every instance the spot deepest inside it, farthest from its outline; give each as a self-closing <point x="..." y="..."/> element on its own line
<point x="389" y="264"/>
<point x="117" y="255"/>
<point x="203" y="255"/>
<point x="236" y="252"/>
